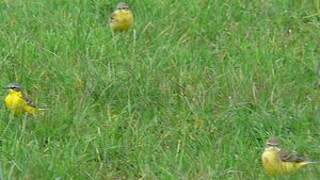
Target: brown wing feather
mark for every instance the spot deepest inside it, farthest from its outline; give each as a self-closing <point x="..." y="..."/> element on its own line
<point x="289" y="157"/>
<point x="28" y="100"/>
<point x="112" y="17"/>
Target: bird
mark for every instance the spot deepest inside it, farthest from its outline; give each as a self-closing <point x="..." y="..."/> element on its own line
<point x="122" y="18"/>
<point x="277" y="161"/>
<point x="17" y="102"/>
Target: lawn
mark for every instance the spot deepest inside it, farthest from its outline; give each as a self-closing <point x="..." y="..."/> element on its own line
<point x="192" y="91"/>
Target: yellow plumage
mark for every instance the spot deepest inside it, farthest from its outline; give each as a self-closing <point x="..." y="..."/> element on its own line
<point x="17" y="102"/>
<point x="276" y="161"/>
<point x="122" y="18"/>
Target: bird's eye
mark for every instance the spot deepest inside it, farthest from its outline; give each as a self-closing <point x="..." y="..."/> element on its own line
<point x="271" y="144"/>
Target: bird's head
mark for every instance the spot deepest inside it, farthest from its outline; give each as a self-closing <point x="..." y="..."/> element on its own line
<point x="13" y="87"/>
<point x="122" y="6"/>
<point x="272" y="143"/>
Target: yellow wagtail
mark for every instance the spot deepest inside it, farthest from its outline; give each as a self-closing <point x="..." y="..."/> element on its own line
<point x="121" y="19"/>
<point x="277" y="161"/>
<point x="17" y="102"/>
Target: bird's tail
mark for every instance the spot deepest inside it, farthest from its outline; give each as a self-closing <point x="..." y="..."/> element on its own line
<point x="310" y="162"/>
<point x="313" y="162"/>
<point x="42" y="109"/>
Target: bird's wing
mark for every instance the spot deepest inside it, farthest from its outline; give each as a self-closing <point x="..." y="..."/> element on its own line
<point x="289" y="157"/>
<point x="28" y="100"/>
<point x="112" y="17"/>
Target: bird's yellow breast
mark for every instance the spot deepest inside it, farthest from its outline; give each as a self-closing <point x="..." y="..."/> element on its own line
<point x="121" y="20"/>
<point x="16" y="104"/>
<point x="270" y="162"/>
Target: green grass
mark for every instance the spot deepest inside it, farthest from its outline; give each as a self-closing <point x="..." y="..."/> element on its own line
<point x="191" y="92"/>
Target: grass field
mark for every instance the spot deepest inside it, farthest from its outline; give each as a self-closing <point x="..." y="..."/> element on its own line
<point x="192" y="91"/>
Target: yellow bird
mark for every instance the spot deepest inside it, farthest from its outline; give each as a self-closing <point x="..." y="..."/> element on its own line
<point x="278" y="162"/>
<point x="121" y="19"/>
<point x="17" y="102"/>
